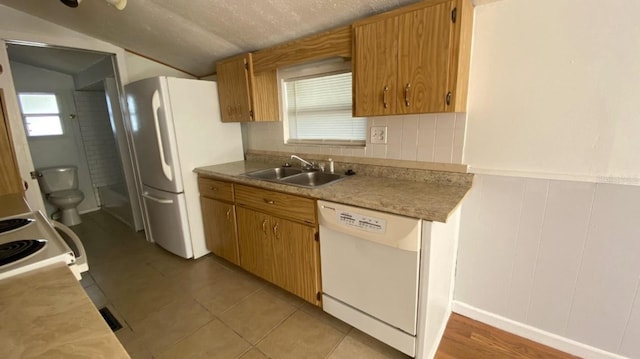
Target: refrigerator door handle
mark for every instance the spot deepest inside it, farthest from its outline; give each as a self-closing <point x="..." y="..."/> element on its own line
<point x="156" y="199"/>
<point x="155" y="103"/>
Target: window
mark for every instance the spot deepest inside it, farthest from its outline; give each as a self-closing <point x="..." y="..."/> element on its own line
<point x="317" y="103"/>
<point x="41" y="114"/>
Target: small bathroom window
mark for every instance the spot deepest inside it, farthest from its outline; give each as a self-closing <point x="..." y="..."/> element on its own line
<point x="41" y="114"/>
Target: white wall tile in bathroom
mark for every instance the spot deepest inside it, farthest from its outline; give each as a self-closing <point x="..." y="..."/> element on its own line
<point x="410" y="137"/>
<point x="600" y="302"/>
<point x="97" y="136"/>
<point x="571" y="264"/>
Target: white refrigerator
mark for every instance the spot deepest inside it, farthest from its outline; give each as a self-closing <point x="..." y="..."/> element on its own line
<point x="175" y="125"/>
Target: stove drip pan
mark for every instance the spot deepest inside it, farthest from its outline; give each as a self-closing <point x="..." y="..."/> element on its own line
<point x="14" y="251"/>
<point x="7" y="225"/>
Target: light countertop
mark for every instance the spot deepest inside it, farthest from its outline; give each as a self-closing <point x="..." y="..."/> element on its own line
<point x="419" y="199"/>
<point x="46" y="314"/>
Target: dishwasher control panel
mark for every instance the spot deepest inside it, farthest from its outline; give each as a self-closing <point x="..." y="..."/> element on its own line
<point x="365" y="223"/>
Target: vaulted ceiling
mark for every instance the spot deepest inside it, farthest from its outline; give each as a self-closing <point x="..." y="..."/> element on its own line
<point x="192" y="35"/>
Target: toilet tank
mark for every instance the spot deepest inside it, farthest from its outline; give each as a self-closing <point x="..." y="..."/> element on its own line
<point x="54" y="179"/>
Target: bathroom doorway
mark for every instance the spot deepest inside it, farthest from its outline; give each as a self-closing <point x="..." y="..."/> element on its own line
<point x="83" y="127"/>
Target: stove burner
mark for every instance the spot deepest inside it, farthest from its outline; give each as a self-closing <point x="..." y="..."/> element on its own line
<point x="10" y="224"/>
<point x="16" y="250"/>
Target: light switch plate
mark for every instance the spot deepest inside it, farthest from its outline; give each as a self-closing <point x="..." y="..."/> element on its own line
<point x="378" y="134"/>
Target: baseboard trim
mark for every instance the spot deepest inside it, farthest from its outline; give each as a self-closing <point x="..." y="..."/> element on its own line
<point x="553" y="340"/>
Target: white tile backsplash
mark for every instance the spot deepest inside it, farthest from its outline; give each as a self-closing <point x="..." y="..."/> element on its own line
<point x="424" y="137"/>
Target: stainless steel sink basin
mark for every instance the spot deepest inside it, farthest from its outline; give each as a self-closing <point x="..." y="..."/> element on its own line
<point x="312" y="179"/>
<point x="274" y="173"/>
<point x="295" y="176"/>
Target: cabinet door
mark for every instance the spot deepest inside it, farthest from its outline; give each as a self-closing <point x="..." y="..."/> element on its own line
<point x="220" y="228"/>
<point x="375" y="68"/>
<point x="296" y="259"/>
<point x="10" y="180"/>
<point x="233" y="89"/>
<point x="254" y="239"/>
<point x="423" y="65"/>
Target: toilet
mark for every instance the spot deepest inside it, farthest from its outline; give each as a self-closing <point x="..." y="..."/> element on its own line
<point x="60" y="185"/>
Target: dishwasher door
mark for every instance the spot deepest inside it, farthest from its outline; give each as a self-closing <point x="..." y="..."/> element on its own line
<point x="370" y="269"/>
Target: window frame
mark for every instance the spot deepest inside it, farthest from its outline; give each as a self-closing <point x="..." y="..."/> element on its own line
<point x="328" y="67"/>
<point x="25" y="115"/>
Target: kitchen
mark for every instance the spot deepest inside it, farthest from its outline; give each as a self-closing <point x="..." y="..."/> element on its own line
<point x="555" y="171"/>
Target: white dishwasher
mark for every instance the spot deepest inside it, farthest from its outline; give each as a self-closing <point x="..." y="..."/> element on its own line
<point x="370" y="271"/>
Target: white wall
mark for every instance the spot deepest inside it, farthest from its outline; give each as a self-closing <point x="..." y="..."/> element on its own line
<point x="57" y="150"/>
<point x="426" y="138"/>
<point x="549" y="239"/>
<point x="560" y="256"/>
<point x="554" y="89"/>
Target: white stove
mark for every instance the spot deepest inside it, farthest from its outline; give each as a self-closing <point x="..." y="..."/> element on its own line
<point x="29" y="241"/>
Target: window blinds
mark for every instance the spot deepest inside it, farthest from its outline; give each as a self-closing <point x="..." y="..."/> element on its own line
<point x="319" y="110"/>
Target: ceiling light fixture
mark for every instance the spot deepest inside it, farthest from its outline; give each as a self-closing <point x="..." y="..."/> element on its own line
<point x="118" y="4"/>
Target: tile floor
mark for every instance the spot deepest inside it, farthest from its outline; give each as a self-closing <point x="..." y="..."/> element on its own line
<point x="175" y="308"/>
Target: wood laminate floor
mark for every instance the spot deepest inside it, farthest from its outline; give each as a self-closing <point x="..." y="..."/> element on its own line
<point x="466" y="338"/>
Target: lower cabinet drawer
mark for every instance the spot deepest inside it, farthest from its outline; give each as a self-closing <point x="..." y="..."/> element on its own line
<point x="276" y="203"/>
<point x="215" y="189"/>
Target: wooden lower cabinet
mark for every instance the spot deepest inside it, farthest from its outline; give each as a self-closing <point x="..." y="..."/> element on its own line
<point x="281" y="251"/>
<point x="219" y="220"/>
<point x="296" y="256"/>
<point x="254" y="238"/>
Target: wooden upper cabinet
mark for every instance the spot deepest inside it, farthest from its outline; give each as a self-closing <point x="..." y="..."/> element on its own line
<point x="245" y="96"/>
<point x="375" y="68"/>
<point x="10" y="180"/>
<point x="413" y="60"/>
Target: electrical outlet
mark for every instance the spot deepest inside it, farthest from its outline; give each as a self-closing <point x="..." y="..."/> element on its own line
<point x="379" y="134"/>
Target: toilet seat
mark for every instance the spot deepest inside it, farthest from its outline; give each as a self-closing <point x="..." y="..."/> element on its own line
<point x="67" y="194"/>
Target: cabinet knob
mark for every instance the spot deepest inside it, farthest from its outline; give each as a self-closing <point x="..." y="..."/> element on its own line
<point x="269" y="201"/>
<point x="275" y="230"/>
<point x="229" y="214"/>
<point x="407" y="88"/>
<point x="384" y="97"/>
<point x="264" y="226"/>
<point x="213" y="188"/>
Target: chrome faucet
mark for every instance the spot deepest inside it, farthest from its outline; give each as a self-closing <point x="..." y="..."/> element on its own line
<point x="305" y="164"/>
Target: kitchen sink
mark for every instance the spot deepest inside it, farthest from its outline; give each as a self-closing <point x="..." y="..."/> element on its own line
<point x="274" y="173"/>
<point x="295" y="176"/>
<point x="312" y="179"/>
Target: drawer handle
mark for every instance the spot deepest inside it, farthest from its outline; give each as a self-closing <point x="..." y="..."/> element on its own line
<point x="213" y="188"/>
<point x="269" y="201"/>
